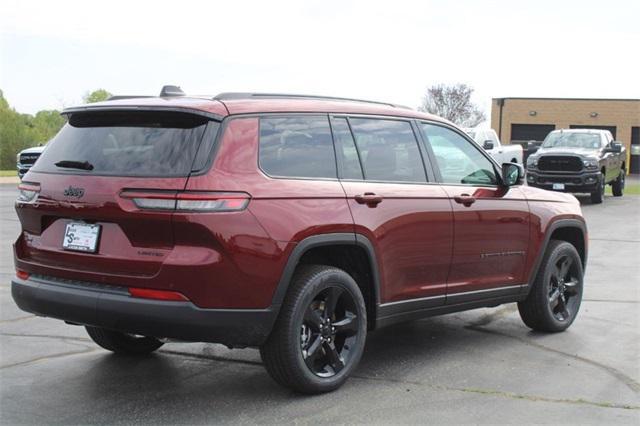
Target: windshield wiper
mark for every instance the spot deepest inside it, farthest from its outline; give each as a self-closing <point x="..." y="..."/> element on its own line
<point x="72" y="164"/>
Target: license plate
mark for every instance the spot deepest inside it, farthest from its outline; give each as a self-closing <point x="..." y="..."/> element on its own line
<point x="558" y="186"/>
<point x="81" y="237"/>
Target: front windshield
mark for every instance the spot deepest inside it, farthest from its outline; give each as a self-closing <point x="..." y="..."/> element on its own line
<point x="572" y="140"/>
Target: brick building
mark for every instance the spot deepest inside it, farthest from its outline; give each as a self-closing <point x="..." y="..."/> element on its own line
<point x="524" y="119"/>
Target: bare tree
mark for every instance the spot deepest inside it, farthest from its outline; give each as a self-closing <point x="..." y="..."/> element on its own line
<point x="453" y="103"/>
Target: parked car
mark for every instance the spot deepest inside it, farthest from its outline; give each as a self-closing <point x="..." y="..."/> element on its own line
<point x="579" y="161"/>
<point x="488" y="139"/>
<point x="294" y="224"/>
<point x="26" y="158"/>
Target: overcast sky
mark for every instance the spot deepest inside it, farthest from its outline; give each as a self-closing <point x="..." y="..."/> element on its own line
<point x="52" y="52"/>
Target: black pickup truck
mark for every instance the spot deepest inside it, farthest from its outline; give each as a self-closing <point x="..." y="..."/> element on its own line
<point x="579" y="161"/>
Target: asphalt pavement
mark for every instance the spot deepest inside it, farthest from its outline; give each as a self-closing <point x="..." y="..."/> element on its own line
<point x="481" y="366"/>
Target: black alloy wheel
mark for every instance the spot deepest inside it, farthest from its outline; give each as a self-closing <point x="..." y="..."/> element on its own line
<point x="329" y="331"/>
<point x="319" y="336"/>
<point x="555" y="295"/>
<point x="564" y="289"/>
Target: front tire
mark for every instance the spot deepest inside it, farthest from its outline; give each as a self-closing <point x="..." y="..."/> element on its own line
<point x="617" y="187"/>
<point x="320" y="333"/>
<point x="597" y="196"/>
<point x="122" y="343"/>
<point x="554" y="299"/>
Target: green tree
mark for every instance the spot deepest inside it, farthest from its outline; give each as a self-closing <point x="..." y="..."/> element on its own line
<point x="14" y="132"/>
<point x="46" y="124"/>
<point x="98" y="95"/>
<point x="20" y="131"/>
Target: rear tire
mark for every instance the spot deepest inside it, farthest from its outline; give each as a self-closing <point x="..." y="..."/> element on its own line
<point x="597" y="196"/>
<point x="122" y="343"/>
<point x="319" y="336"/>
<point x="617" y="187"/>
<point x="554" y="299"/>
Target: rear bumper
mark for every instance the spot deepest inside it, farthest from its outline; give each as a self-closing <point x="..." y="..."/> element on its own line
<point x="578" y="183"/>
<point x="113" y="308"/>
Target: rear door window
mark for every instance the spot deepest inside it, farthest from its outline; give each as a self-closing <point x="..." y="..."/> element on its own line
<point x="133" y="143"/>
<point x="297" y="146"/>
<point x="388" y="150"/>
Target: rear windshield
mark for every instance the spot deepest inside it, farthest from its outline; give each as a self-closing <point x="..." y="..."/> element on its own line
<point x="162" y="144"/>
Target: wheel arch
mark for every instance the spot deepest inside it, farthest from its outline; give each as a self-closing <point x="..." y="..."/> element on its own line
<point x="572" y="231"/>
<point x="346" y="251"/>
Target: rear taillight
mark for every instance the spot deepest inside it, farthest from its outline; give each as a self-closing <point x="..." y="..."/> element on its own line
<point x="28" y="192"/>
<point x="23" y="275"/>
<point x="147" y="293"/>
<point x="194" y="201"/>
<point x="212" y="201"/>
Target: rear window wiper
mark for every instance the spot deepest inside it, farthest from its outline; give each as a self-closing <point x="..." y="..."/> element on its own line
<point x="72" y="164"/>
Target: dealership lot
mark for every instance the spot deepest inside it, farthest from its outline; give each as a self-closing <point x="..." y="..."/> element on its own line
<point x="477" y="366"/>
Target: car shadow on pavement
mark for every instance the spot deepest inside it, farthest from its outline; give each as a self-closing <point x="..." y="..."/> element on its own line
<point x="388" y="353"/>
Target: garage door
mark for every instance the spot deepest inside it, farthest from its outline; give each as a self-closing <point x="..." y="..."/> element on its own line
<point x="530" y="132"/>
<point x="612" y="129"/>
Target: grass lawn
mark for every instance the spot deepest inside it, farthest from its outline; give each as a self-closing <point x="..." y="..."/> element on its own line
<point x="5" y="173"/>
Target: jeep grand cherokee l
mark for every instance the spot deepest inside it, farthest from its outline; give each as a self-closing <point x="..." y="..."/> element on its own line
<point x="293" y="224"/>
<point x="579" y="160"/>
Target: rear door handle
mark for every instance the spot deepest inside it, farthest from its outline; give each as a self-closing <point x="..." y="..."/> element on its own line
<point x="369" y="198"/>
<point x="465" y="199"/>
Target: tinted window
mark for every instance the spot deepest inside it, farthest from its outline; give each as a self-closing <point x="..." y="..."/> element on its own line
<point x="127" y="144"/>
<point x="297" y="147"/>
<point x="346" y="149"/>
<point x="205" y="151"/>
<point x="459" y="160"/>
<point x="388" y="150"/>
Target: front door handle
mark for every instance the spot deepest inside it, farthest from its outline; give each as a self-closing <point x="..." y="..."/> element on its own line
<point x="369" y="198"/>
<point x="465" y="199"/>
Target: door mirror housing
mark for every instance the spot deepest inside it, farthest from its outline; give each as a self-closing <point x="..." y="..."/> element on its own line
<point x="487" y="145"/>
<point x="615" y="147"/>
<point x="512" y="174"/>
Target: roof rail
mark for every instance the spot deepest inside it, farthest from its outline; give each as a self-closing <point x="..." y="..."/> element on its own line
<point x="246" y="95"/>
<point x="116" y="97"/>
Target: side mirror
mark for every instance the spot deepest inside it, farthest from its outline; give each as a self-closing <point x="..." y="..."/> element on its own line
<point x="615" y="147"/>
<point x="487" y="145"/>
<point x="512" y="174"/>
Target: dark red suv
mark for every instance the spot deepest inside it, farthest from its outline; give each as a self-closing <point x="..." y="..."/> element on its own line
<point x="295" y="224"/>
